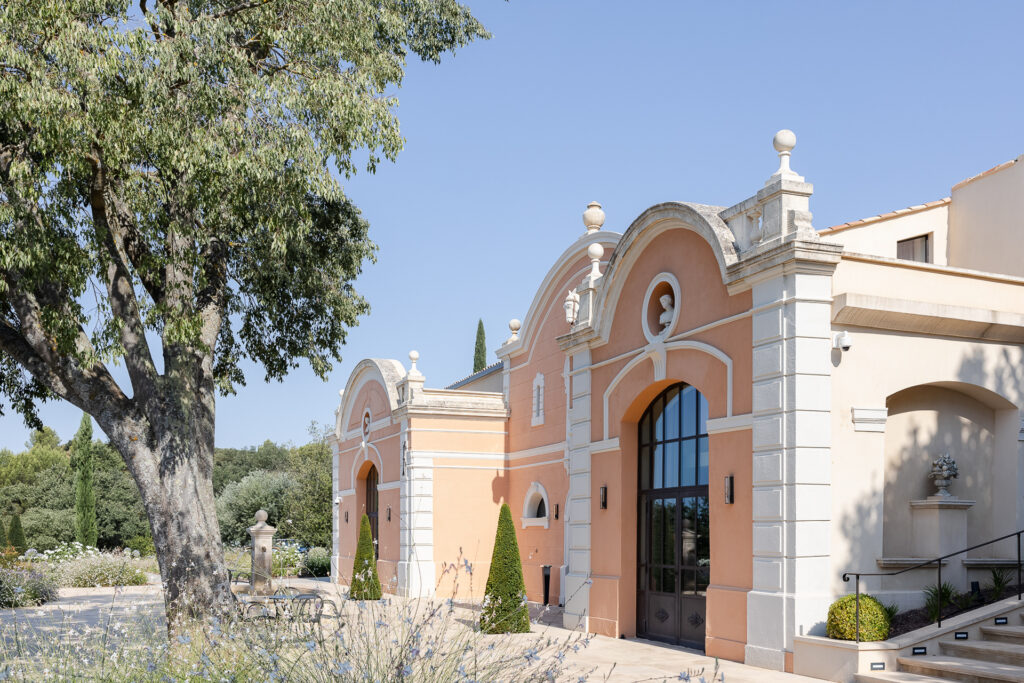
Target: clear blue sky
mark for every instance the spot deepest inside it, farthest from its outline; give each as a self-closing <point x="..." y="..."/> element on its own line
<point x="631" y="104"/>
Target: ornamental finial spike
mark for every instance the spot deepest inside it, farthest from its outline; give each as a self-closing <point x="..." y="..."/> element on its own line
<point x="593" y="217"/>
<point x="784" y="142"/>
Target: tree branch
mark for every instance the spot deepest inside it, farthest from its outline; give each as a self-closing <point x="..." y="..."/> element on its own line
<point x="241" y="7"/>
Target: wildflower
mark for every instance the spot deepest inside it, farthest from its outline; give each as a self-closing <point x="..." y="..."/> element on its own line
<point x="343" y="668"/>
<point x="184" y="640"/>
<point x="311" y="645"/>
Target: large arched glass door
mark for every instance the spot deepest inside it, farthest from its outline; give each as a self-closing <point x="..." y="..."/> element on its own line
<point x="674" y="550"/>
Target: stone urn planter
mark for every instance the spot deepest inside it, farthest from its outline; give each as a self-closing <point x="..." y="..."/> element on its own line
<point x="944" y="471"/>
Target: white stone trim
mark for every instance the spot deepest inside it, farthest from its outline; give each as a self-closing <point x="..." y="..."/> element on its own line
<point x="662" y="350"/>
<point x="346" y="492"/>
<point x="537" y="401"/>
<point x="869" y="419"/>
<point x="536" y="489"/>
<point x="335" y="510"/>
<point x="357" y="461"/>
<point x="732" y="423"/>
<point x="504" y="468"/>
<point x="390" y="486"/>
<point x="605" y="446"/>
<point x="416" y="430"/>
<point x="416" y="571"/>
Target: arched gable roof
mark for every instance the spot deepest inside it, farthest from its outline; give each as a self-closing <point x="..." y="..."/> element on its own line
<point x="702" y="219"/>
<point x="385" y="371"/>
<point x="555" y="278"/>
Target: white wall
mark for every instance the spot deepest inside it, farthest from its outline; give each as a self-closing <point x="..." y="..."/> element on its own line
<point x="986" y="221"/>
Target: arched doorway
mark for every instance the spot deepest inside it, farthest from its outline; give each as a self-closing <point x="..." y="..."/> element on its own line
<point x="673" y="544"/>
<point x="371" y="500"/>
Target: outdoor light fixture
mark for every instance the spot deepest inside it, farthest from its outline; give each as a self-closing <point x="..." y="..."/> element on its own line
<point x="346" y="516"/>
<point x="556" y="510"/>
<point x="729" y="499"/>
<point x="604" y="497"/>
<point x="389" y="513"/>
<point x="842" y="341"/>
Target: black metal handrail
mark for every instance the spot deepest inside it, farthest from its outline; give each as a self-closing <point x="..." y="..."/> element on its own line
<point x="937" y="561"/>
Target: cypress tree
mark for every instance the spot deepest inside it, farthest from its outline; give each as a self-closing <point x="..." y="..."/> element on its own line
<point x="505" y="609"/>
<point x="86" y="531"/>
<point x="16" y="535"/>
<point x="480" y="351"/>
<point x="365" y="584"/>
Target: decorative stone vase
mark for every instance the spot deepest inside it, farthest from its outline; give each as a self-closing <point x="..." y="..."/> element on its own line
<point x="944" y="471"/>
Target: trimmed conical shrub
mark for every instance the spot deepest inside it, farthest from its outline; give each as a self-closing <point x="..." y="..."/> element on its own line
<point x="16" y="535"/>
<point x="365" y="584"/>
<point x="480" y="348"/>
<point x="86" y="532"/>
<point x="505" y="609"/>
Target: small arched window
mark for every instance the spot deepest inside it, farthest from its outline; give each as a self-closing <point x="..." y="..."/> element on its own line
<point x="535" y="506"/>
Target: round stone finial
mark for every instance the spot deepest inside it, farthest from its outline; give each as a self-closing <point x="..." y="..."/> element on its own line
<point x="414" y="355"/>
<point x="593" y="217"/>
<point x="261" y="516"/>
<point x="784" y="140"/>
<point x="514" y="324"/>
<point x="595" y="251"/>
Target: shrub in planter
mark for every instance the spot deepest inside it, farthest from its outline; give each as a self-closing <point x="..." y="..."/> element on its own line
<point x="842" y="619"/>
<point x="365" y="584"/>
<point x="25" y="587"/>
<point x="318" y="562"/>
<point x="504" y="609"/>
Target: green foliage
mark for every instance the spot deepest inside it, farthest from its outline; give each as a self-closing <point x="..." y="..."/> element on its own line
<point x="365" y="584"/>
<point x="232" y="464"/>
<point x="287" y="559"/>
<point x="317" y="562"/>
<point x="239" y="502"/>
<point x="25" y="587"/>
<point x="504" y="609"/>
<point x="842" y="619"/>
<point x="16" y="534"/>
<point x="99" y="569"/>
<point x="308" y="511"/>
<point x="891" y="610"/>
<point x="46" y="529"/>
<point x="85" y="498"/>
<point x="119" y="512"/>
<point x="44" y="452"/>
<point x="480" y="349"/>
<point x="141" y="544"/>
<point x="998" y="582"/>
<point x="3" y="534"/>
<point x="945" y="592"/>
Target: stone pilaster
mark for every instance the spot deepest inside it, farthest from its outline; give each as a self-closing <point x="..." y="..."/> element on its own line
<point x="578" y="503"/>
<point x="416" y="573"/>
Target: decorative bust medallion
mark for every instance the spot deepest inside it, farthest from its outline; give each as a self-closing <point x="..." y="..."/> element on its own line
<point x="660" y="311"/>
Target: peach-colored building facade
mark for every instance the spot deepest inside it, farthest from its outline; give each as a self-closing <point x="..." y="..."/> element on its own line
<point x="702" y="421"/>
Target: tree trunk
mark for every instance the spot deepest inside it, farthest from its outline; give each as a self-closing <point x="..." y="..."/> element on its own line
<point x="172" y="465"/>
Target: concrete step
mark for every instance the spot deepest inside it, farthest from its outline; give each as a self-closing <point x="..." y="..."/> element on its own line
<point x="986" y="651"/>
<point x="962" y="669"/>
<point x="897" y="677"/>
<point x="1003" y="634"/>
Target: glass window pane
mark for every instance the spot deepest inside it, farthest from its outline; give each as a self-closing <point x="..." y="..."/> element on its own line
<point x="702" y="415"/>
<point x="668" y="580"/>
<point x="657" y="531"/>
<point x="659" y="477"/>
<point x="645" y="428"/>
<point x="689" y="411"/>
<point x="688" y="470"/>
<point x="703" y="532"/>
<point x="645" y="467"/>
<point x="702" y="461"/>
<point x="672" y="414"/>
<point x="703" y="578"/>
<point x="688" y="533"/>
<point x="669" y="554"/>
<point x="688" y="581"/>
<point x="659" y="420"/>
<point x="671" y="464"/>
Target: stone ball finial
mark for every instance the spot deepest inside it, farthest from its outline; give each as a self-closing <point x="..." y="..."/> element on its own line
<point x="514" y="325"/>
<point x="784" y="140"/>
<point x="414" y="355"/>
<point x="261" y="516"/>
<point x="595" y="251"/>
<point x="593" y="217"/>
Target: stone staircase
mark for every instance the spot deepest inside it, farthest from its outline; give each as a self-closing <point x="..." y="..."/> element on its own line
<point x="998" y="657"/>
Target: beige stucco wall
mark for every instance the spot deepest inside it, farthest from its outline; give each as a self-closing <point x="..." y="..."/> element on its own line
<point x="986" y="221"/>
<point x="879" y="237"/>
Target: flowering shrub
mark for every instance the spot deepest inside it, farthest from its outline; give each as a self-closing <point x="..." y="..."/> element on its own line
<point x="61" y="553"/>
<point x="25" y="587"/>
<point x="287" y="559"/>
<point x="99" y="569"/>
<point x="317" y="562"/>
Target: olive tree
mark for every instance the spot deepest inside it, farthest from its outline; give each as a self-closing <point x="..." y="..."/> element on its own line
<point x="170" y="201"/>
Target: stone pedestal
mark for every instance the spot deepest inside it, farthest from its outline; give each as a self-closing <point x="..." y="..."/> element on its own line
<point x="939" y="526"/>
<point x="262" y="534"/>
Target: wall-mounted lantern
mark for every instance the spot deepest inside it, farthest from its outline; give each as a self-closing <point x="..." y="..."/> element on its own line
<point x="556" y="510"/>
<point x="729" y="490"/>
<point x="389" y="513"/>
<point x="346" y="516"/>
<point x="604" y="497"/>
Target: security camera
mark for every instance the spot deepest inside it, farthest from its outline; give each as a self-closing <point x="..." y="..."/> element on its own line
<point x="842" y="341"/>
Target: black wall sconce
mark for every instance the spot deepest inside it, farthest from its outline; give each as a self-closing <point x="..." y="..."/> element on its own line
<point x="729" y="490"/>
<point x="556" y="510"/>
<point x="346" y="516"/>
<point x="389" y="513"/>
<point x="604" y="497"/>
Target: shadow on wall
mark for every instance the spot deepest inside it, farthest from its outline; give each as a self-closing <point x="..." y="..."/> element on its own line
<point x="979" y="428"/>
